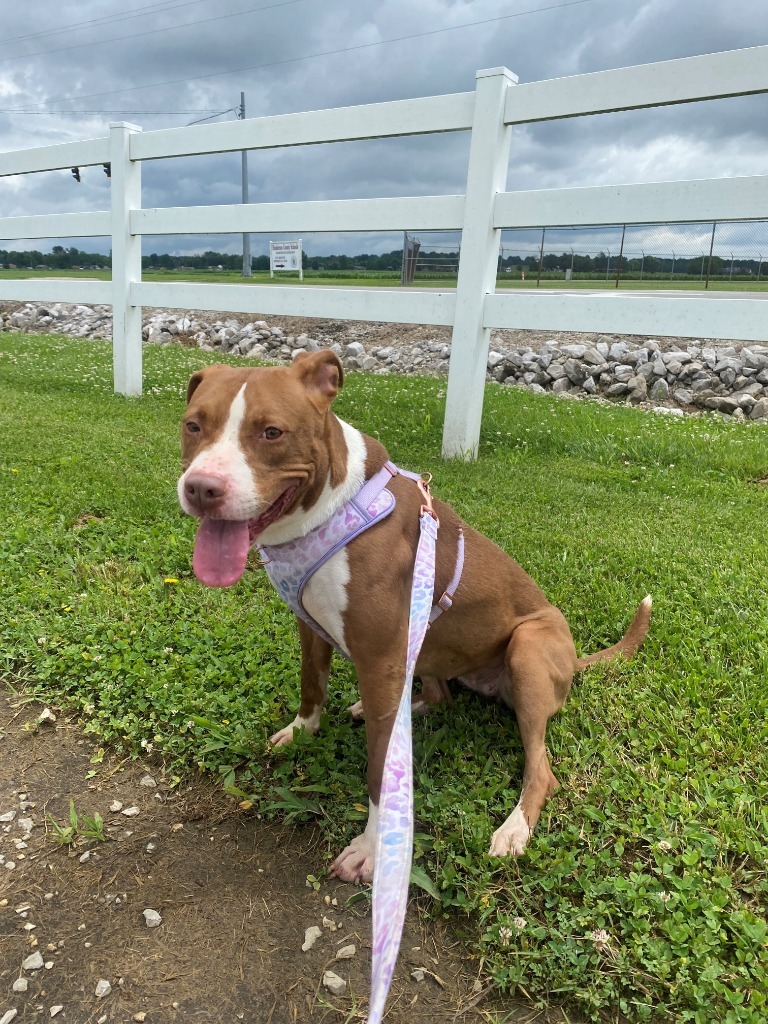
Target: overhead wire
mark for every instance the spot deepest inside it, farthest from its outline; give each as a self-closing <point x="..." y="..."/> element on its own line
<point x="138" y="12"/>
<point x="324" y="53"/>
<point x="148" y="32"/>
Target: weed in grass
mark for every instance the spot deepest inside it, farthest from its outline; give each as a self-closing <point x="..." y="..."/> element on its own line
<point x="80" y="826"/>
<point x="644" y="890"/>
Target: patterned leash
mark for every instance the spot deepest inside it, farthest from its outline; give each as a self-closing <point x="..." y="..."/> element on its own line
<point x="394" y="832"/>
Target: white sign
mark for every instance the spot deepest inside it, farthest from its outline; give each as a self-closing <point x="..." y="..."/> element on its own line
<point x="285" y="256"/>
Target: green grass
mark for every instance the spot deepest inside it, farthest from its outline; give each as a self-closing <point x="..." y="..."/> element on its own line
<point x="658" y="835"/>
<point x="390" y="279"/>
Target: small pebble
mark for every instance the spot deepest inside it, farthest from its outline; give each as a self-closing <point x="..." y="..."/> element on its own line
<point x="346" y="952"/>
<point x="8" y="816"/>
<point x="33" y="962"/>
<point x="8" y="1016"/>
<point x="131" y="812"/>
<point x="103" y="988"/>
<point x="335" y="985"/>
<point x="311" y="935"/>
<point x="418" y="975"/>
<point x="20" y="985"/>
<point x="152" y="918"/>
<point x="55" y="1010"/>
<point x="116" y="806"/>
<point x="85" y="857"/>
<point x="148" y="782"/>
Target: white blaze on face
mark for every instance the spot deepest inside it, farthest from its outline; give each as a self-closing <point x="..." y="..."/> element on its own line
<point x="225" y="458"/>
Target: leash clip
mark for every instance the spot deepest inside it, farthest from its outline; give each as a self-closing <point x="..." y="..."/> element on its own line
<point x="423" y="483"/>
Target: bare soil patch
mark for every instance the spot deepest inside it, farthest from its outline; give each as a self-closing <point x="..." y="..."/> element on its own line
<point x="231" y="890"/>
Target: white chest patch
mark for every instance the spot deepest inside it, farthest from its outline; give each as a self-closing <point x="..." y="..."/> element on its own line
<point x="325" y="597"/>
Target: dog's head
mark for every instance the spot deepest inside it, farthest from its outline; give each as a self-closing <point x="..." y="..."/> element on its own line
<point x="257" y="447"/>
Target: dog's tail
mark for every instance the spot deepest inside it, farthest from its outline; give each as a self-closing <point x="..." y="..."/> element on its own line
<point x="629" y="643"/>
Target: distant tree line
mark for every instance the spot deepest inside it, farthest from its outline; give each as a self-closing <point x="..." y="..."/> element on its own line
<point x="439" y="263"/>
<point x="60" y="258"/>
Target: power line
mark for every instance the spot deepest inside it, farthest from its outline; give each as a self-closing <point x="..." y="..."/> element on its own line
<point x="324" y="53"/>
<point x="16" y="110"/>
<point x="148" y="32"/>
<point x="229" y="110"/>
<point x="138" y="12"/>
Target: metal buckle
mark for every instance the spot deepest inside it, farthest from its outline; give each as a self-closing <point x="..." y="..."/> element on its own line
<point x="423" y="484"/>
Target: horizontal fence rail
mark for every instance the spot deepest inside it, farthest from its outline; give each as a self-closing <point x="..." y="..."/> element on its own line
<point x="380" y="304"/>
<point x="480" y="215"/>
<point x="430" y="115"/>
<point x="421" y="213"/>
<point x="680" y="202"/>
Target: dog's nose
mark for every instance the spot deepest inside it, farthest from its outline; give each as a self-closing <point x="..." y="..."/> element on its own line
<point x="203" y="492"/>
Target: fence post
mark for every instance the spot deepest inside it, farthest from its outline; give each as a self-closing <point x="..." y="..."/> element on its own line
<point x="126" y="261"/>
<point x="486" y="175"/>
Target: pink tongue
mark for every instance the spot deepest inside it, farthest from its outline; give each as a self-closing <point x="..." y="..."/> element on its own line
<point x="221" y="552"/>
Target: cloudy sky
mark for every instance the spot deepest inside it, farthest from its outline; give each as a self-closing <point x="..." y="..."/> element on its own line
<point x="70" y="67"/>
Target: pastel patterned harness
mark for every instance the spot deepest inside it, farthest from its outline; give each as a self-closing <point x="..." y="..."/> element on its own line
<point x="290" y="566"/>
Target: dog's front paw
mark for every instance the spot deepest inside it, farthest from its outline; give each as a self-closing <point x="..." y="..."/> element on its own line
<point x="285" y="736"/>
<point x="355" y="863"/>
<point x="512" y="837"/>
<point x="356" y="711"/>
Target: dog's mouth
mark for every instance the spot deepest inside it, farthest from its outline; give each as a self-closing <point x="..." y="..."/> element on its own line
<point x="222" y="545"/>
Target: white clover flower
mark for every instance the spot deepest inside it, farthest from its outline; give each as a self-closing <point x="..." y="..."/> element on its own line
<point x="601" y="938"/>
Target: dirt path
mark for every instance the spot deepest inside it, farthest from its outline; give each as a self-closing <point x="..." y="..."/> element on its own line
<point x="232" y="893"/>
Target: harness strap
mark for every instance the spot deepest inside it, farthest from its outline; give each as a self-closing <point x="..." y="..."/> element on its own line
<point x="446" y="600"/>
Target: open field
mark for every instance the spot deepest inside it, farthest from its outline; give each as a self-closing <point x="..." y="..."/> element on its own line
<point x="388" y="279"/>
<point x="644" y="892"/>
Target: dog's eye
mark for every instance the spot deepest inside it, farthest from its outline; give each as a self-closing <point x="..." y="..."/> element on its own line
<point x="191" y="427"/>
<point x="272" y="433"/>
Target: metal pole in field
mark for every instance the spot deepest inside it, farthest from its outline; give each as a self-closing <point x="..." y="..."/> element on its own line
<point x="405" y="254"/>
<point x="621" y="253"/>
<point x="247" y="271"/>
<point x="711" y="247"/>
<point x="541" y="256"/>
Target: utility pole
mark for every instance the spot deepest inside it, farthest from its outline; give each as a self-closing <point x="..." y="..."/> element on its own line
<point x="247" y="272"/>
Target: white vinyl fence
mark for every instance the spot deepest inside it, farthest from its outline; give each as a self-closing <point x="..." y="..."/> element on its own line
<point x="475" y="307"/>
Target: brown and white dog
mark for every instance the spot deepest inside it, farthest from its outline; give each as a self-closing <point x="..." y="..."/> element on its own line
<point x="265" y="457"/>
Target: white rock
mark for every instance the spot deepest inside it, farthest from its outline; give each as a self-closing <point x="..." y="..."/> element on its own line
<point x="116" y="806"/>
<point x="55" y="1010"/>
<point x="8" y="1016"/>
<point x="148" y="782"/>
<point x="131" y="812"/>
<point x="85" y="857"/>
<point x="25" y="824"/>
<point x="8" y="816"/>
<point x="346" y="952"/>
<point x="418" y="974"/>
<point x="33" y="962"/>
<point x="335" y="985"/>
<point x="103" y="988"/>
<point x="152" y="918"/>
<point x="311" y="935"/>
<point x="46" y="715"/>
<point x="20" y="985"/>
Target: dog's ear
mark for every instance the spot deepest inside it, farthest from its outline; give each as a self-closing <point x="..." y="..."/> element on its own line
<point x="197" y="378"/>
<point x="322" y="375"/>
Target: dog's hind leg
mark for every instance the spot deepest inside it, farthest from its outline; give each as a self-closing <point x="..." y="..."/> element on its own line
<point x="315" y="669"/>
<point x="540" y="662"/>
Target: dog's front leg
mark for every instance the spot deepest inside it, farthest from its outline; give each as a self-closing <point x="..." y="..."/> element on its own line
<point x="380" y="690"/>
<point x="315" y="669"/>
